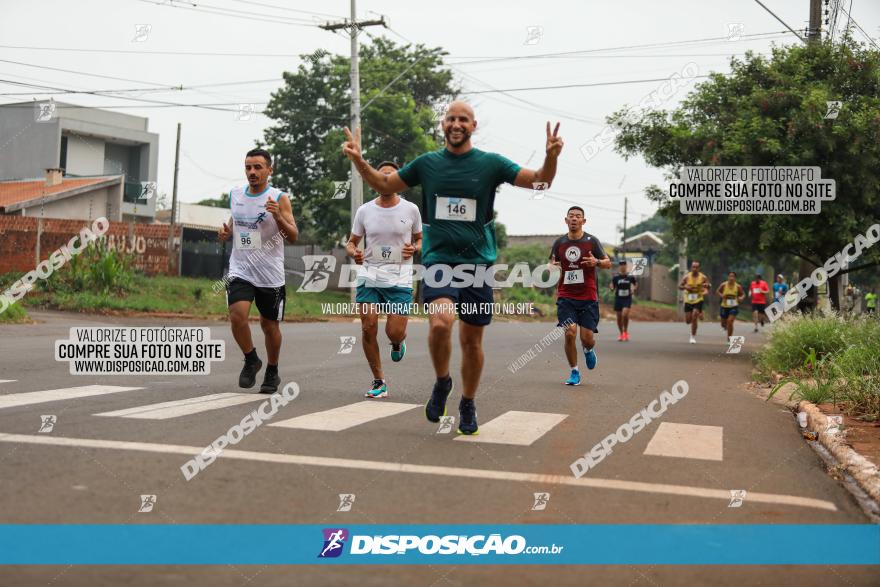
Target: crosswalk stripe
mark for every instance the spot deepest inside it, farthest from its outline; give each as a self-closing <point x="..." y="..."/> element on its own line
<point x="514" y="427"/>
<point x="533" y="479"/>
<point x="185" y="407"/>
<point x="8" y="380"/>
<point x="345" y="417"/>
<point x="687" y="441"/>
<point x="14" y="400"/>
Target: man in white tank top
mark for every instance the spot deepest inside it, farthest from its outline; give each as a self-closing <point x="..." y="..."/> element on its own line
<point x="262" y="219"/>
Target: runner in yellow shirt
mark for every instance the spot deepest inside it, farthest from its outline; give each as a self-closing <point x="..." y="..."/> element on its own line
<point x="731" y="294"/>
<point x="695" y="285"/>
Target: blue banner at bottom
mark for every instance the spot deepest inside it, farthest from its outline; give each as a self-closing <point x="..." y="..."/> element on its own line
<point x="521" y="544"/>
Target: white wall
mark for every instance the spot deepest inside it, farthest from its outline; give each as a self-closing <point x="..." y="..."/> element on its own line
<point x="85" y="155"/>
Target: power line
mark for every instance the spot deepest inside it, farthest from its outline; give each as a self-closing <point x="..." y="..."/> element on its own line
<point x="795" y="33"/>
<point x="851" y="19"/>
<point x="321" y="14"/>
<point x="568" y="86"/>
<point x="602" y="50"/>
<point x="206" y="9"/>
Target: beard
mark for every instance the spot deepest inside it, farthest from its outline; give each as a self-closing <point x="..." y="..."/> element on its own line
<point x="465" y="137"/>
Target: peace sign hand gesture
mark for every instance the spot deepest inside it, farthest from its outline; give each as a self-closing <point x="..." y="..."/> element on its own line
<point x="554" y="142"/>
<point x="351" y="148"/>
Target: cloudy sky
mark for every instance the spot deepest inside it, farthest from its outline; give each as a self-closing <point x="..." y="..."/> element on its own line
<point x="612" y="45"/>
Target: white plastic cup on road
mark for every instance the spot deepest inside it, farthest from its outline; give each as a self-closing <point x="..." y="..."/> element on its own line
<point x="802" y="419"/>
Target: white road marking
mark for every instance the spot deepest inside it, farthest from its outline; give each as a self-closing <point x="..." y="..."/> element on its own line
<point x="345" y="417"/>
<point x="533" y="478"/>
<point x="687" y="441"/>
<point x="520" y="428"/>
<point x="8" y="380"/>
<point x="14" y="400"/>
<point x="186" y="407"/>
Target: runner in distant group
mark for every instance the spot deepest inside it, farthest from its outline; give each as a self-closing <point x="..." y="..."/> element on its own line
<point x="780" y="288"/>
<point x="262" y="218"/>
<point x="731" y="294"/>
<point x="578" y="254"/>
<point x="758" y="291"/>
<point x="458" y="183"/>
<point x="695" y="286"/>
<point x="624" y="286"/>
<point x="871" y="301"/>
<point x="392" y="231"/>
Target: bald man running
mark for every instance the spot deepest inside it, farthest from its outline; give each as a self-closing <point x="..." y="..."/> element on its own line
<point x="459" y="183"/>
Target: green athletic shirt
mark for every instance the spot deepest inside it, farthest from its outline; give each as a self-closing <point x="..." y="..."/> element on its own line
<point x="456" y="182"/>
<point x="871" y="300"/>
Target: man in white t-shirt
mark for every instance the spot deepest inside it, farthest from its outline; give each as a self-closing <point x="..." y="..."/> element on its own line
<point x="392" y="229"/>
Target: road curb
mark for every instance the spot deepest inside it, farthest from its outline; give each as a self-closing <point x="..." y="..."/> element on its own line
<point x="866" y="474"/>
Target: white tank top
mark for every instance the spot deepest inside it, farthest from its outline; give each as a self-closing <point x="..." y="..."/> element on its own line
<point x="257" y="243"/>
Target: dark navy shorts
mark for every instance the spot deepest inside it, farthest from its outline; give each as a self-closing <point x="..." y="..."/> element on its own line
<point x="725" y="312"/>
<point x="584" y="313"/>
<point x="473" y="304"/>
<point x="621" y="303"/>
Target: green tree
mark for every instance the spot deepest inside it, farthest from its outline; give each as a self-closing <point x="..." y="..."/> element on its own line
<point x="400" y="85"/>
<point x="770" y="111"/>
<point x="221" y="202"/>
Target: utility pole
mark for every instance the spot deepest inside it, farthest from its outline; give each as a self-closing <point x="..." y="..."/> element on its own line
<point x="682" y="270"/>
<point x="814" y="33"/>
<point x="171" y="256"/>
<point x="352" y="25"/>
<point x="623" y="242"/>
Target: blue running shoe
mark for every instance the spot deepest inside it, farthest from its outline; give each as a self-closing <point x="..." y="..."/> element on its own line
<point x="574" y="378"/>
<point x="435" y="407"/>
<point x="467" y="423"/>
<point x="379" y="390"/>
<point x="398" y="351"/>
<point x="590" y="356"/>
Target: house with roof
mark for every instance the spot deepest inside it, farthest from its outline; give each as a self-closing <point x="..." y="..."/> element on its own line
<point x="66" y="160"/>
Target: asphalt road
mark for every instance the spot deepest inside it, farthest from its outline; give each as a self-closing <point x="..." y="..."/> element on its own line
<point x="716" y="439"/>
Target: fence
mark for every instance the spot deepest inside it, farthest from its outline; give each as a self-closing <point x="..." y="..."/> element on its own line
<point x="25" y="241"/>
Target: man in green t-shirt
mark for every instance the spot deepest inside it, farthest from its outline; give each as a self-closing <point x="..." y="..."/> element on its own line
<point x="871" y="301"/>
<point x="458" y="183"/>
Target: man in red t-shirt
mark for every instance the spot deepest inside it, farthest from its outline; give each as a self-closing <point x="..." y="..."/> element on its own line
<point x="758" y="291"/>
<point x="578" y="254"/>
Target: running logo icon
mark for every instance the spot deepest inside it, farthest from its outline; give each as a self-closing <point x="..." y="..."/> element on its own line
<point x="245" y="111"/>
<point x="141" y="32"/>
<point x="446" y="424"/>
<point x="541" y="500"/>
<point x="318" y="269"/>
<point x="538" y="189"/>
<point x="835" y="424"/>
<point x="45" y="111"/>
<point x="346" y="344"/>
<point x="572" y="254"/>
<point x="340" y="189"/>
<point x="638" y="266"/>
<point x="148" y="190"/>
<point x="736" y="498"/>
<point x="736" y="344"/>
<point x="735" y="31"/>
<point x="533" y="35"/>
<point x="346" y="500"/>
<point x="334" y="541"/>
<point x="47" y="424"/>
<point x="147" y="503"/>
<point x="833" y="109"/>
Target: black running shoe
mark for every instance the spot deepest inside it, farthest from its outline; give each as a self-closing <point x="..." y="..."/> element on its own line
<point x="467" y="423"/>
<point x="248" y="376"/>
<point x="435" y="408"/>
<point x="271" y="381"/>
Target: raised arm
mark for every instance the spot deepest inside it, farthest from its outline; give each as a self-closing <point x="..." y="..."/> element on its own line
<point x="384" y="184"/>
<point x="527" y="178"/>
